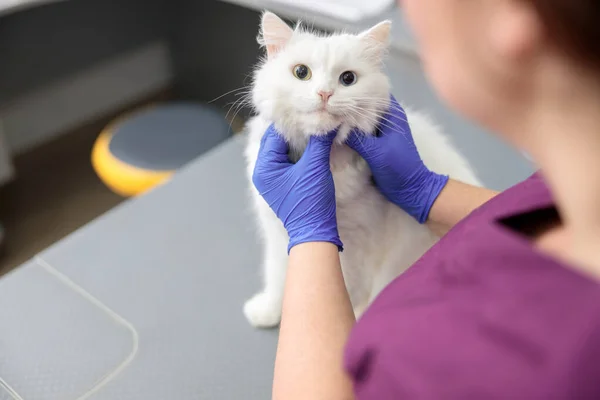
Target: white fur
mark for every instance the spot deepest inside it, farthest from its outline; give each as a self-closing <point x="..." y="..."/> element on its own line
<point x="380" y="240"/>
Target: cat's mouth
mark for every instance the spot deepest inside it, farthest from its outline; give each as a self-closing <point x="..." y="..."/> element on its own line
<point x="324" y="111"/>
<point x="325" y="115"/>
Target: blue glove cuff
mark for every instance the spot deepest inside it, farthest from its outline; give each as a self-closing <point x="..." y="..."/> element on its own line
<point x="430" y="194"/>
<point x="417" y="201"/>
<point x="335" y="239"/>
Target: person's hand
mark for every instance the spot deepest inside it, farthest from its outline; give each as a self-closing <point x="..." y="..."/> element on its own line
<point x="397" y="168"/>
<point x="302" y="195"/>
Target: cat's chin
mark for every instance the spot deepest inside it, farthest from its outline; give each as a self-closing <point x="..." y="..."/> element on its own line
<point x="320" y="122"/>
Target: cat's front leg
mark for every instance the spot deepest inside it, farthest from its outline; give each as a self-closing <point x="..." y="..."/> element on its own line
<point x="357" y="276"/>
<point x="263" y="310"/>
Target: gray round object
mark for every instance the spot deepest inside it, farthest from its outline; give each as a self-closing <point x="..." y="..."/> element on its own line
<point x="168" y="136"/>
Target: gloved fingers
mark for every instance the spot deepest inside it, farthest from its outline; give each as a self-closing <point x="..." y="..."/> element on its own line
<point x="326" y="139"/>
<point x="394" y="105"/>
<point x="273" y="148"/>
<point x="395" y="108"/>
<point x="319" y="146"/>
<point x="360" y="142"/>
<point x="394" y="120"/>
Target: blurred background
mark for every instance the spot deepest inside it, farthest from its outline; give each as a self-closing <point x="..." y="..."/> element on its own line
<point x="84" y="77"/>
<point x="69" y="68"/>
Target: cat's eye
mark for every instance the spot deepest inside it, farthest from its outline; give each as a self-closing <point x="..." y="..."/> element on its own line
<point x="302" y="72"/>
<point x="348" y="78"/>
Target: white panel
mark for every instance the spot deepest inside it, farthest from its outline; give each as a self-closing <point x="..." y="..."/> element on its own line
<point x="348" y="10"/>
<point x="10" y="6"/>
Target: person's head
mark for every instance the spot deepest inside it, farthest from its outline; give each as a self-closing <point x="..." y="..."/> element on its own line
<point x="493" y="59"/>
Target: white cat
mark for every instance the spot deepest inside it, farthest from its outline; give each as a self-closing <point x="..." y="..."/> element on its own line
<point x="310" y="84"/>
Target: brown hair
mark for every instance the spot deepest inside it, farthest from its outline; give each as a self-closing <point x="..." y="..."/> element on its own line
<point x="574" y="26"/>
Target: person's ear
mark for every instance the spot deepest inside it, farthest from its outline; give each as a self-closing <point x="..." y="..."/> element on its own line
<point x="515" y="30"/>
<point x="274" y="34"/>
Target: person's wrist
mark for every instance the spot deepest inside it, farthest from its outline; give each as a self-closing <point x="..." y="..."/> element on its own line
<point x="315" y="234"/>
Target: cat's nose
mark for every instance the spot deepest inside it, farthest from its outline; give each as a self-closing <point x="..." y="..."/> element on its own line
<point x="325" y="95"/>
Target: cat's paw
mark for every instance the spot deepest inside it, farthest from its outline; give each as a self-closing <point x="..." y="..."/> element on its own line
<point x="263" y="311"/>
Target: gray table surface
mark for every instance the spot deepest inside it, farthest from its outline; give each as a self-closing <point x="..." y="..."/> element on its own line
<point x="177" y="264"/>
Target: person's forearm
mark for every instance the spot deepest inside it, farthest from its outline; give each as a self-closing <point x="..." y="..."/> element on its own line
<point x="455" y="202"/>
<point x="316" y="320"/>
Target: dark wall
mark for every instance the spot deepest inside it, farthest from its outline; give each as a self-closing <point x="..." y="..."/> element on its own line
<point x="50" y="42"/>
<point x="213" y="48"/>
<point x="212" y="43"/>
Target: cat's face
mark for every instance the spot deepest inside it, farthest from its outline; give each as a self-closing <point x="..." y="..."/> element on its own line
<point x="311" y="84"/>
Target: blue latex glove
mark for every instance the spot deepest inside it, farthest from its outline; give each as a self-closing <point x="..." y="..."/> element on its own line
<point x="302" y="194"/>
<point x="397" y="168"/>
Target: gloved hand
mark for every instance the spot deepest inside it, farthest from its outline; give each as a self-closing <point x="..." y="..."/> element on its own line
<point x="397" y="168"/>
<point x="302" y="194"/>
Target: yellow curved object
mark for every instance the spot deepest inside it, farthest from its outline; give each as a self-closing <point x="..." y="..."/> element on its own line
<point x="122" y="178"/>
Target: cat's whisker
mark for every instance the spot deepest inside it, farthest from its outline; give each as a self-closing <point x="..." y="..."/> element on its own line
<point x="237" y="106"/>
<point x="241" y="103"/>
<point x="382" y="123"/>
<point x="369" y="119"/>
<point x="392" y="124"/>
<point x="377" y="101"/>
<point x="238" y="103"/>
<point x="375" y="121"/>
<point x="374" y="118"/>
<point x="399" y="110"/>
<point x="236" y="92"/>
<point x="364" y="113"/>
<point x="353" y="121"/>
<point x="382" y="117"/>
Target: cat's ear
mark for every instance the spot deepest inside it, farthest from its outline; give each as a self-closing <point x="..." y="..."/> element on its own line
<point x="274" y="33"/>
<point x="380" y="33"/>
<point x="378" y="36"/>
